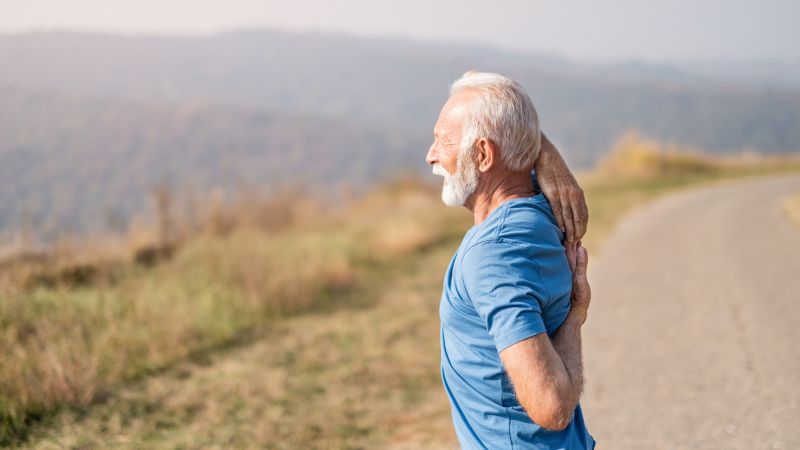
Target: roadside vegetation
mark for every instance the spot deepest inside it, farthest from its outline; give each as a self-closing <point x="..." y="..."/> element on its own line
<point x="638" y="169"/>
<point x="273" y="322"/>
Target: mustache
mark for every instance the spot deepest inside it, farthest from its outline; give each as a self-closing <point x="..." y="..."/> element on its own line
<point x="439" y="170"/>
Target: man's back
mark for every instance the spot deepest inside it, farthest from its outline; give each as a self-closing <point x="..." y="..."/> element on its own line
<point x="508" y="281"/>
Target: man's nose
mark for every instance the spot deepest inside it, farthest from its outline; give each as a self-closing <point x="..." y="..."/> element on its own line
<point x="432" y="157"/>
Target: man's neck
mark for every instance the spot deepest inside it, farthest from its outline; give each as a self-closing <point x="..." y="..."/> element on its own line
<point x="498" y="191"/>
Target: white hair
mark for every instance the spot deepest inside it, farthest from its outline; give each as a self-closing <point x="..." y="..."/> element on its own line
<point x="503" y="112"/>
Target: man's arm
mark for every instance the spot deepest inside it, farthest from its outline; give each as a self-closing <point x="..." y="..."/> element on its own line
<point x="547" y="374"/>
<point x="559" y="186"/>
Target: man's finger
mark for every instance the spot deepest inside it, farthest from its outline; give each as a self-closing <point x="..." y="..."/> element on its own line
<point x="566" y="214"/>
<point x="556" y="206"/>
<point x="585" y="211"/>
<point x="579" y="221"/>
<point x="581" y="291"/>
<point x="580" y="212"/>
<point x="581" y="261"/>
<point x="571" y="256"/>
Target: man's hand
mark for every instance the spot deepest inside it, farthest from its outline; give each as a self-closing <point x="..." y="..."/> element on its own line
<point x="578" y="259"/>
<point x="547" y="373"/>
<point x="565" y="196"/>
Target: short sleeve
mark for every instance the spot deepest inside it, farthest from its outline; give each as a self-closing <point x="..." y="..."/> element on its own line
<point x="506" y="289"/>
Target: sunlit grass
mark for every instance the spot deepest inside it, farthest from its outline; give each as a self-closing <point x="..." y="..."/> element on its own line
<point x="344" y="378"/>
<point x="70" y="345"/>
<point x="67" y="345"/>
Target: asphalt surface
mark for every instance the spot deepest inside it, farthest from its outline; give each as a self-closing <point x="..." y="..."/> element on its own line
<point x="693" y="338"/>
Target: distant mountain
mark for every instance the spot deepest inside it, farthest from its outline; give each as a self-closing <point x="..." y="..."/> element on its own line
<point x="89" y="122"/>
<point x="71" y="163"/>
<point x="403" y="84"/>
<point x="764" y="74"/>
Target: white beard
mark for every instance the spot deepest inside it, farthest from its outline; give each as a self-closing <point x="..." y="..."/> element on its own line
<point x="457" y="188"/>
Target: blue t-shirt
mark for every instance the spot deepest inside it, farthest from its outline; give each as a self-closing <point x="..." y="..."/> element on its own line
<point x="508" y="281"/>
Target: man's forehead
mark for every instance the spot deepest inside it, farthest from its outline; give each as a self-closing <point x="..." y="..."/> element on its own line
<point x="452" y="112"/>
<point x="459" y="102"/>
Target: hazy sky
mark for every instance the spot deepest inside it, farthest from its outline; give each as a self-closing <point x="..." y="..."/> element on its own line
<point x="666" y="31"/>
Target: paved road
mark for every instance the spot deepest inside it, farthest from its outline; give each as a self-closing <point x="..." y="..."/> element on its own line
<point x="693" y="339"/>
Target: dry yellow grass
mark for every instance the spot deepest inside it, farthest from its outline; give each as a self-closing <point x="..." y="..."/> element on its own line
<point x="349" y="378"/>
<point x="399" y="219"/>
<point x="68" y="344"/>
<point x="635" y="157"/>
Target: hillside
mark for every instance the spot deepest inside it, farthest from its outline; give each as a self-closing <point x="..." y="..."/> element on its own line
<point x="78" y="163"/>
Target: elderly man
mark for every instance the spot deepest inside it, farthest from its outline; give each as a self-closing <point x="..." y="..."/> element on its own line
<point x="511" y="311"/>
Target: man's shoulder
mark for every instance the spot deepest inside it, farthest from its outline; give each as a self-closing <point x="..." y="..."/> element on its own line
<point x="521" y="239"/>
<point x="520" y="221"/>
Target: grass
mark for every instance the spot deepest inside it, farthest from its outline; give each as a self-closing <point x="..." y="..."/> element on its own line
<point x="321" y="333"/>
<point x="71" y="345"/>
<point x="347" y="378"/>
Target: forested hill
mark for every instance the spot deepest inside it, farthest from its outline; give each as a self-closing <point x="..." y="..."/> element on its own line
<point x="71" y="163"/>
<point x="98" y="119"/>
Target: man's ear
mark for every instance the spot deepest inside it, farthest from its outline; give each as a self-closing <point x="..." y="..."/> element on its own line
<point x="487" y="154"/>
